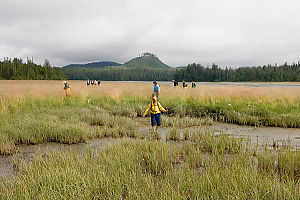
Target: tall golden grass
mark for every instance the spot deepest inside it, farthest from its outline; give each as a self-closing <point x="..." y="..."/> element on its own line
<point x="12" y="89"/>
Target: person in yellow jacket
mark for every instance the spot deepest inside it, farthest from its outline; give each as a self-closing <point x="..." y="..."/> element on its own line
<point x="67" y="89"/>
<point x="155" y="109"/>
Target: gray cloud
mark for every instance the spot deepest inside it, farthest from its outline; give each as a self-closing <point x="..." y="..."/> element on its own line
<point x="229" y="33"/>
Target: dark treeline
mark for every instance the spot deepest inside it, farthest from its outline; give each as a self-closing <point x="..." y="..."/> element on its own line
<point x="18" y="70"/>
<point x="193" y="72"/>
<point x="120" y="73"/>
<point x="267" y="73"/>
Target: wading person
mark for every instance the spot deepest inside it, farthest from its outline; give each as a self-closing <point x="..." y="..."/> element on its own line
<point x="155" y="109"/>
<point x="156" y="89"/>
<point x="67" y="88"/>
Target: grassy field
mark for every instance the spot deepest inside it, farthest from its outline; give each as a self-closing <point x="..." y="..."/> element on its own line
<point x="19" y="89"/>
<point x="198" y="165"/>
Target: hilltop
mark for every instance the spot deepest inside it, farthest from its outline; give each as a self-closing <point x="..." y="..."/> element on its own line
<point x="146" y="60"/>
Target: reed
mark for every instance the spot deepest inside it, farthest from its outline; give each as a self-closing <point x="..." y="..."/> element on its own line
<point x="285" y="163"/>
<point x="35" y="121"/>
<point x="144" y="169"/>
<point x="173" y="134"/>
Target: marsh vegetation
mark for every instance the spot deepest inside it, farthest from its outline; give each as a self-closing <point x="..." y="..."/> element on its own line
<point x="192" y="162"/>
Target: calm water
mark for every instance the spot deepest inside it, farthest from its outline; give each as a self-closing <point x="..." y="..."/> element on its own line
<point x="245" y="84"/>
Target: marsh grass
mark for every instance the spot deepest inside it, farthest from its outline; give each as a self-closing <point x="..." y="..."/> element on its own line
<point x="67" y="121"/>
<point x="275" y="112"/>
<point x="187" y="134"/>
<point x="173" y="134"/>
<point x="285" y="163"/>
<point x="144" y="169"/>
<point x="72" y="120"/>
<point x="206" y="140"/>
<point x="205" y="165"/>
<point x="239" y="105"/>
<point x="184" y="122"/>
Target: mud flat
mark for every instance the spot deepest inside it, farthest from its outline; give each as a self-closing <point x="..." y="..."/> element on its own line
<point x="259" y="135"/>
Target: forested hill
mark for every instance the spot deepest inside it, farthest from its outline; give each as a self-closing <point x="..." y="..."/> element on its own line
<point x="94" y="64"/>
<point x="147" y="60"/>
<point x="120" y="73"/>
<point x="19" y="70"/>
<point x="147" y="67"/>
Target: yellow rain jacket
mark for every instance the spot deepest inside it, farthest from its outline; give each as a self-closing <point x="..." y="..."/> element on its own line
<point x="68" y="91"/>
<point x="154" y="108"/>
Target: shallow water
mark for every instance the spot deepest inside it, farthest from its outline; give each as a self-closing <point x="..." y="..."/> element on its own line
<point x="245" y="84"/>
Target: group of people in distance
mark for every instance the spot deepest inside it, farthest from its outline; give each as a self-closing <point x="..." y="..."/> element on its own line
<point x="93" y="82"/>
<point x="184" y="84"/>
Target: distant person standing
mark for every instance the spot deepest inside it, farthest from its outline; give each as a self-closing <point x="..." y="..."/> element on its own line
<point x="175" y="83"/>
<point x="156" y="89"/>
<point x="155" y="109"/>
<point x="67" y="88"/>
<point x="184" y="85"/>
<point x="193" y="84"/>
<point x="88" y="82"/>
<point x="99" y="82"/>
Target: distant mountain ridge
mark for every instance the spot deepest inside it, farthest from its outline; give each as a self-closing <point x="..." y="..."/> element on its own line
<point x="94" y="64"/>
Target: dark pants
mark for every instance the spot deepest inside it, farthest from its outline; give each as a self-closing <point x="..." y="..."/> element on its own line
<point x="155" y="94"/>
<point x="155" y="118"/>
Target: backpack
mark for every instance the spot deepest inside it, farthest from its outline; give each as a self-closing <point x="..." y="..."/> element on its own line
<point x="156" y="105"/>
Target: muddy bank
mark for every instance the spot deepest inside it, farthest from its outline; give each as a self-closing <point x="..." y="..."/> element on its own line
<point x="28" y="152"/>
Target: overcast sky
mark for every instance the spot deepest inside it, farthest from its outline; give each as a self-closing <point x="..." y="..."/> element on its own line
<point x="227" y="32"/>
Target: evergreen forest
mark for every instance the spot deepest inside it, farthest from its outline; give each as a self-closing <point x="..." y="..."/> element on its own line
<point x="266" y="73"/>
<point x="16" y="69"/>
<point x="120" y="73"/>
